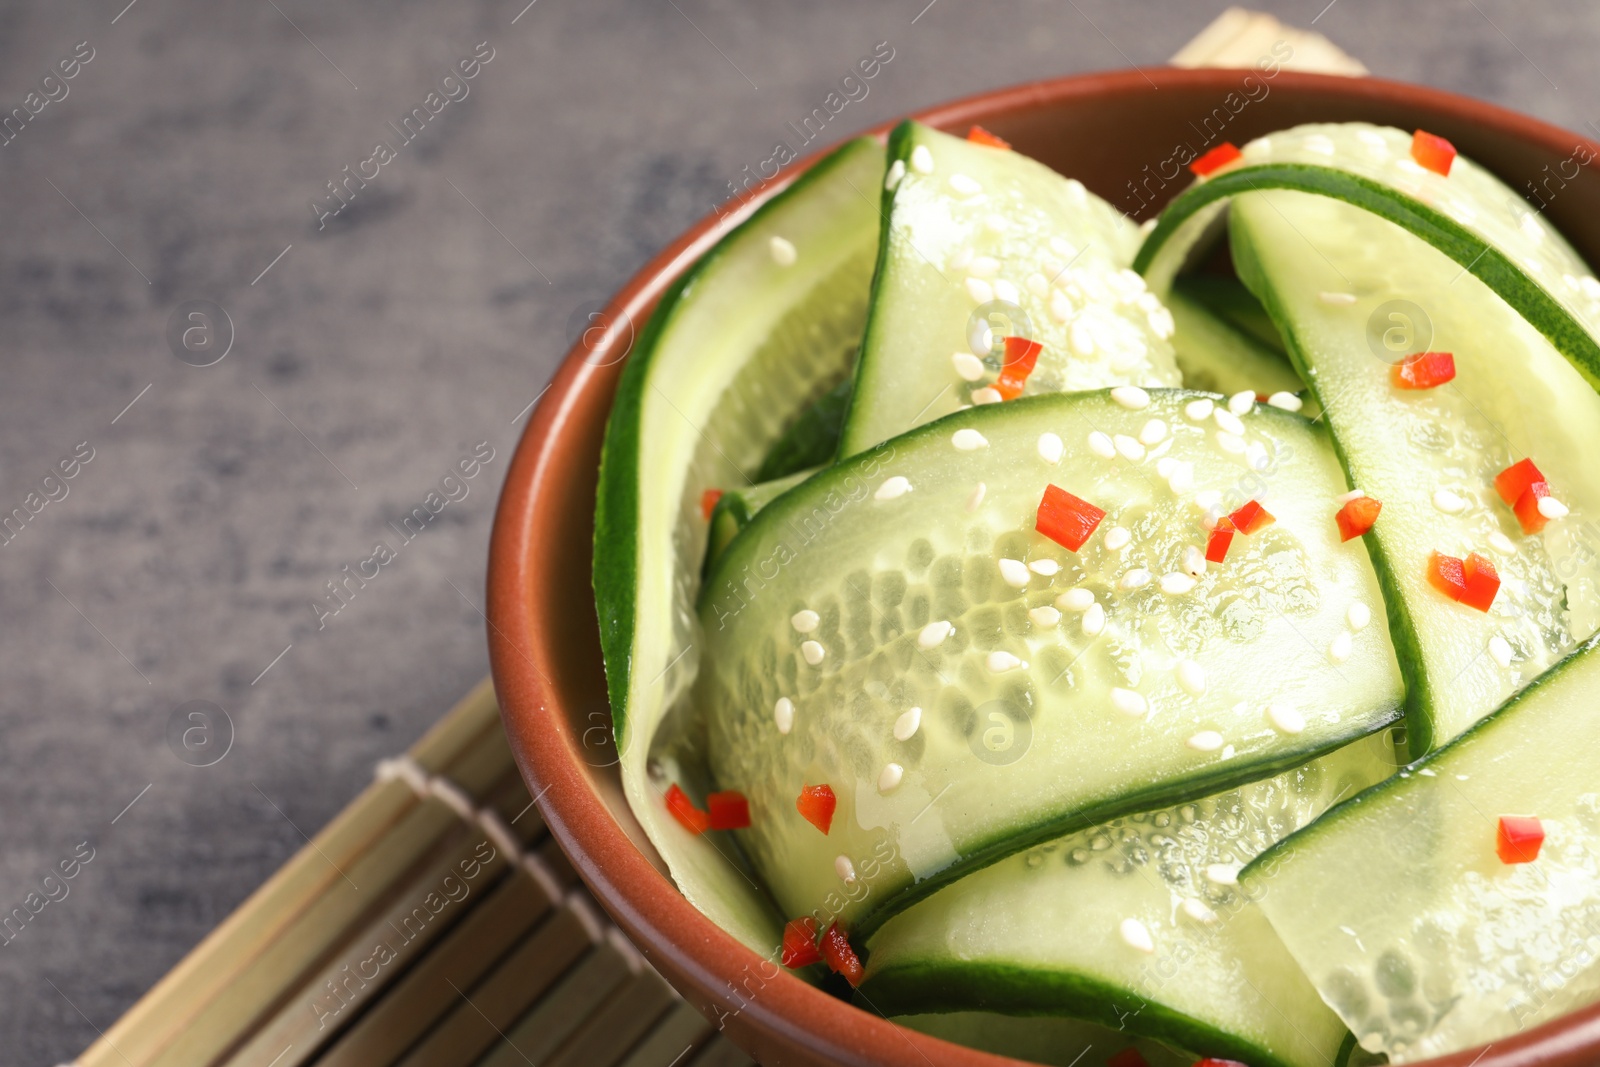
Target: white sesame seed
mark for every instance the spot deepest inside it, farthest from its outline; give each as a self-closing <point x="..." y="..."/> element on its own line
<point x="844" y="869"/>
<point x="1117" y="538"/>
<point x="1193" y="561"/>
<point x="1358" y="616"/>
<point x="1014" y="573"/>
<point x="922" y="159"/>
<point x="1286" y="401"/>
<point x="1448" y="502"/>
<point x="1081" y="337"/>
<point x="1075" y="600"/>
<point x="1133" y="450"/>
<point x="1037" y="284"/>
<point x="1137" y="578"/>
<point x="1094" y="619"/>
<point x="934" y="633"/>
<point x="1285" y="719"/>
<point x="1354" y="494"/>
<point x="1222" y="874"/>
<point x="1231" y="443"/>
<point x="1129" y="702"/>
<point x="1338" y="299"/>
<point x="1207" y="499"/>
<point x="813" y="652"/>
<point x="1004" y="290"/>
<point x="1161" y="323"/>
<point x="1137" y="935"/>
<point x="980" y="290"/>
<point x="1062" y="247"/>
<point x="1164" y="466"/>
<point x="984" y="267"/>
<point x="1191" y="677"/>
<point x="1205" y="741"/>
<point x="1153" y="433"/>
<point x="1051" y="447"/>
<point x="783" y="251"/>
<point x="897" y="170"/>
<point x="783" y="714"/>
<point x="1197" y="911"/>
<point x="1502" y="544"/>
<point x="1131" y="397"/>
<point x="1256" y="457"/>
<point x="1198" y="410"/>
<point x="905" y="727"/>
<point x="1339" y="648"/>
<point x="1049" y="568"/>
<point x="893" y="488"/>
<point x="961" y="259"/>
<point x="1240" y="403"/>
<point x="1044" y="616"/>
<point x="1228" y="421"/>
<point x="999" y="662"/>
<point x="804" y="621"/>
<point x="986" y="395"/>
<point x="1101" y="445"/>
<point x="1176" y="584"/>
<point x="1060" y="306"/>
<point x="1500" y="651"/>
<point x="964" y="185"/>
<point x="969" y="368"/>
<point x="975" y="501"/>
<point x="1551" y="508"/>
<point x="968" y="440"/>
<point x="890" y="778"/>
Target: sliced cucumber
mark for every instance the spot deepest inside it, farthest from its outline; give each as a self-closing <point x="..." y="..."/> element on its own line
<point x="1431" y="455"/>
<point x="1404" y="917"/>
<point x="1042" y="1039"/>
<point x="736" y="507"/>
<point x="1216" y="356"/>
<point x="1136" y="923"/>
<point x="812" y="439"/>
<point x="1020" y="738"/>
<point x="735" y="349"/>
<point x="966" y="225"/>
<point x="1227" y="298"/>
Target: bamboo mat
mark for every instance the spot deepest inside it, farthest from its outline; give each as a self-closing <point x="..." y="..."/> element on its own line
<point x="434" y="922"/>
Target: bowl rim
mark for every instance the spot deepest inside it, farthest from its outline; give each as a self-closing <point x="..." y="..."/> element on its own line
<point x="644" y="901"/>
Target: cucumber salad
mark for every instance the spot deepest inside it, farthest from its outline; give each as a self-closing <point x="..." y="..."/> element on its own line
<point x="1126" y="645"/>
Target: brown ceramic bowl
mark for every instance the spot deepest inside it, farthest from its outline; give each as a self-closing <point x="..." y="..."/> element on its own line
<point x="1105" y="129"/>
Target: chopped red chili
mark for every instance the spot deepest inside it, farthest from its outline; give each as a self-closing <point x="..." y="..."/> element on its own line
<point x="1212" y="1061"/>
<point x="816" y="804"/>
<point x="1251" y="517"/>
<point x="1432" y="152"/>
<point x="693" y="819"/>
<point x="1479" y="582"/>
<point x="1221" y="537"/>
<point x="1518" y="838"/>
<point x="800" y="943"/>
<point x="1021" y="355"/>
<point x="979" y="135"/>
<point x="708" y="502"/>
<point x="1065" y="519"/>
<point x="840" y="957"/>
<point x="729" y="810"/>
<point x="1447" y="574"/>
<point x="1527" y="507"/>
<point x="1512" y="482"/>
<point x="1128" y="1057"/>
<point x="1425" y="370"/>
<point x="1357" y="516"/>
<point x="1216" y="159"/>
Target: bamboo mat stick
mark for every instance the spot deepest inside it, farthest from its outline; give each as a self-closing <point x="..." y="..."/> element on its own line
<point x="720" y="1053"/>
<point x="560" y="1012"/>
<point x="675" y="1035"/>
<point x="616" y="1026"/>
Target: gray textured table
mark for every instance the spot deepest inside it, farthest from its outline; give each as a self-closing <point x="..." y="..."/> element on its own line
<point x="372" y="350"/>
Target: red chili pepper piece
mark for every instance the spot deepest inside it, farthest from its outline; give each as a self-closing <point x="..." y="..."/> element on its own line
<point x="693" y="819"/>
<point x="1447" y="574"/>
<point x="1021" y="355"/>
<point x="729" y="810"/>
<point x="1432" y="152"/>
<point x="1217" y="158"/>
<point x="816" y="804"/>
<point x="1480" y="582"/>
<point x="1065" y="519"/>
<point x="1212" y="1061"/>
<point x="1425" y="370"/>
<point x="708" y="502"/>
<point x="1512" y="482"/>
<point x="840" y="957"/>
<point x="1251" y="517"/>
<point x="800" y="943"/>
<point x="1221" y="537"/>
<point x="1518" y="838"/>
<point x="1128" y="1057"/>
<point x="979" y="135"/>
<point x="1527" y="507"/>
<point x="1357" y="516"/>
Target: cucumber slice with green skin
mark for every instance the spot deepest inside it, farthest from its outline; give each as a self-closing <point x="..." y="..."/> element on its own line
<point x="1136" y="924"/>
<point x="813" y="439"/>
<point x="965" y="225"/>
<point x="1215" y="356"/>
<point x="1042" y="1039"/>
<point x="730" y="355"/>
<point x="1020" y="737"/>
<point x="1431" y="455"/>
<point x="1228" y="299"/>
<point x="736" y="507"/>
<point x="1398" y="908"/>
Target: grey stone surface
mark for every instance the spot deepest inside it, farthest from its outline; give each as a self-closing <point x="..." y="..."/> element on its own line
<point x="374" y="354"/>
